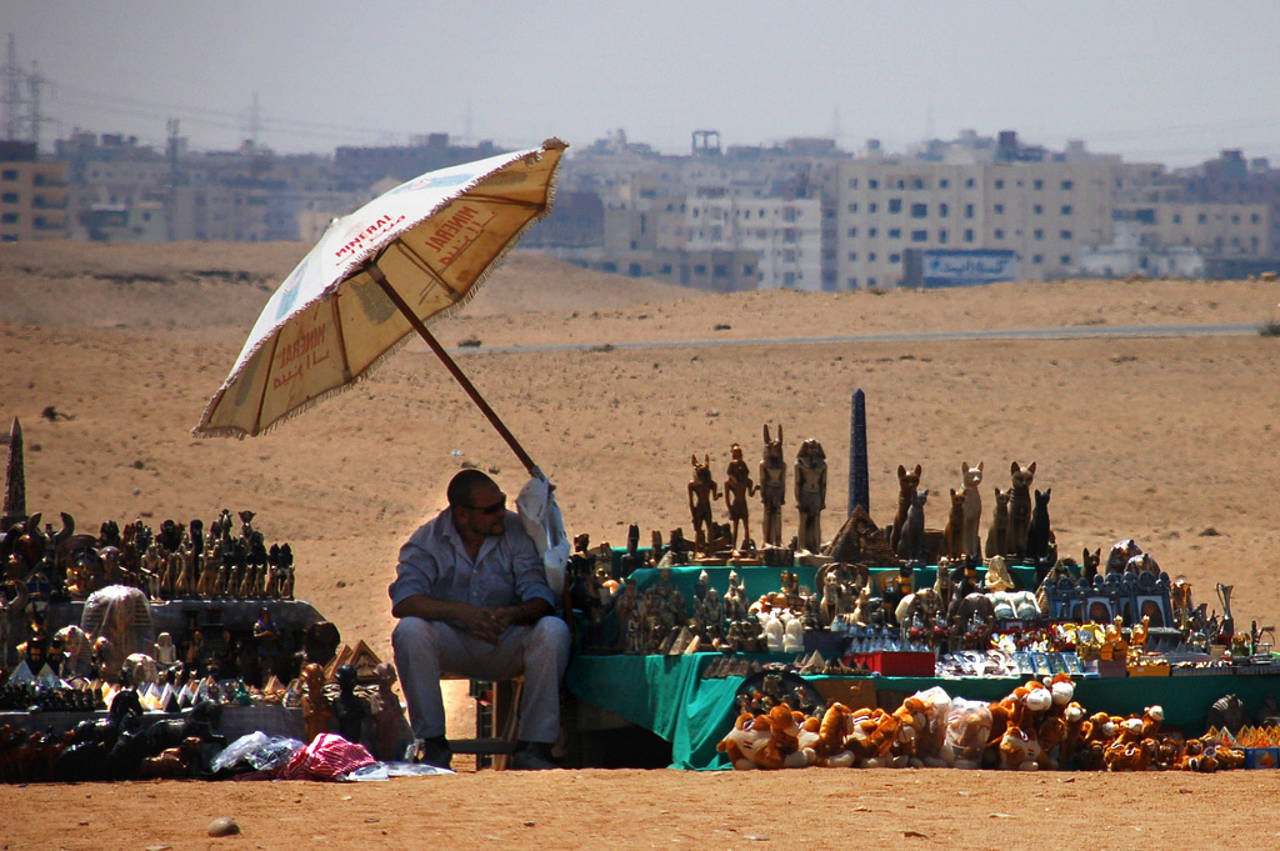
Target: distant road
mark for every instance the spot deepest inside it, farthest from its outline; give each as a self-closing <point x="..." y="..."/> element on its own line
<point x="1067" y="333"/>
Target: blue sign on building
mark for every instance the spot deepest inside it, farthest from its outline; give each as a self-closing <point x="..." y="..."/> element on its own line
<point x="966" y="268"/>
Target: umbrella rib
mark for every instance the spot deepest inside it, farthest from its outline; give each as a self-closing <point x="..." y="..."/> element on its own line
<point x="510" y="202"/>
<point x="421" y="262"/>
<point x="342" y="345"/>
<point x="266" y="382"/>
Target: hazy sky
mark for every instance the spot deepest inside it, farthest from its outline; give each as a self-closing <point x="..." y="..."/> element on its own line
<point x="1171" y="81"/>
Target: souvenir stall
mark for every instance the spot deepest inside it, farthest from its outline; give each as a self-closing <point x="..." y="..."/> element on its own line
<point x="704" y="642"/>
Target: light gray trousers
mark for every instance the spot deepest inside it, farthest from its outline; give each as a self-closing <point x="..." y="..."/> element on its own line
<point x="425" y="649"/>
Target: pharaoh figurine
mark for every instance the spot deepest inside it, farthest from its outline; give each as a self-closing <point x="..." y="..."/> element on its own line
<point x="737" y="487"/>
<point x="388" y="715"/>
<point x="811" y="493"/>
<point x="713" y="614"/>
<point x="773" y="487"/>
<point x="286" y="565"/>
<point x="702" y="491"/>
<point x="316" y="709"/>
<point x="633" y="637"/>
<point x="735" y="598"/>
<point x="169" y="585"/>
<point x="166" y="653"/>
<point x="350" y="708"/>
<point x="204" y="585"/>
<point x="627" y="605"/>
<point x="185" y="584"/>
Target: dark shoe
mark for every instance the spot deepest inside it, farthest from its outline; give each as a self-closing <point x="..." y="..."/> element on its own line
<point x="532" y="756"/>
<point x="434" y="751"/>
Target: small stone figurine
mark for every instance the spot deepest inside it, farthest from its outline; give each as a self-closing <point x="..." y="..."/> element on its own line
<point x="702" y="490"/>
<point x="811" y="493"/>
<point x="350" y="709"/>
<point x="317" y="712"/>
<point x="737" y="487"/>
<point x="387" y="713"/>
<point x="773" y="487"/>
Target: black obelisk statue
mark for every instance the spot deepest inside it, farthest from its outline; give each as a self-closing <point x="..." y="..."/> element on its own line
<point x="15" y="493"/>
<point x="859" y="478"/>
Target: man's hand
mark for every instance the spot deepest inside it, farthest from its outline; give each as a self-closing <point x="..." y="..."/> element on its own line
<point x="484" y="623"/>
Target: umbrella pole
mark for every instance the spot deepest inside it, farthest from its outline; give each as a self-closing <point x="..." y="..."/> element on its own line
<point x="457" y="373"/>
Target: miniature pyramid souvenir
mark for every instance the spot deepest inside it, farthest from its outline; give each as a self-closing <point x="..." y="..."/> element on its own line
<point x="343" y="658"/>
<point x="169" y="699"/>
<point x="21" y="675"/>
<point x="48" y="679"/>
<point x="273" y="690"/>
<point x="365" y="661"/>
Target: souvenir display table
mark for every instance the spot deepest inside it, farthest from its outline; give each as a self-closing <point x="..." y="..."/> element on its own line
<point x="666" y="695"/>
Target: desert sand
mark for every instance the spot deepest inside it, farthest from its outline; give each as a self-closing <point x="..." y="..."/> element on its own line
<point x="1168" y="440"/>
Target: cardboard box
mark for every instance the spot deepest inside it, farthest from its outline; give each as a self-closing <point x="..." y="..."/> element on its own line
<point x="854" y="694"/>
<point x="897" y="663"/>
<point x="1262" y="757"/>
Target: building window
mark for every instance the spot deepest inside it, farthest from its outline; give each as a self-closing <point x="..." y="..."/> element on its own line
<point x="1202" y="218"/>
<point x="853" y="208"/>
<point x="871" y="208"/>
<point x="895" y="233"/>
<point x="901" y="183"/>
<point x="872" y="232"/>
<point x="943" y="210"/>
<point x="999" y="208"/>
<point x="999" y="233"/>
<point x="968" y="234"/>
<point x="873" y="183"/>
<point x="1038" y="258"/>
<point x="895" y="258"/>
<point x="919" y="211"/>
<point x="699" y="269"/>
<point x="853" y="232"/>
<point x="968" y="211"/>
<point x="871" y="282"/>
<point x="917" y="184"/>
<point x="853" y="257"/>
<point x="895" y="205"/>
<point x="1038" y="233"/>
<point x="968" y="184"/>
<point x="1064" y="234"/>
<point x="944" y="183"/>
<point x="942" y="236"/>
<point x="999" y="183"/>
<point x="1066" y="259"/>
<point x="1066" y="209"/>
<point x="9" y="197"/>
<point x="853" y="283"/>
<point x="919" y="236"/>
<point x="853" y="183"/>
<point x="871" y="257"/>
<point x="1068" y="184"/>
<point x="1235" y="219"/>
<point x="1254" y="218"/>
<point x="10" y="174"/>
<point x="9" y="218"/>
<point x="1038" y="209"/>
<point x="1037" y="184"/>
<point x="1177" y="218"/>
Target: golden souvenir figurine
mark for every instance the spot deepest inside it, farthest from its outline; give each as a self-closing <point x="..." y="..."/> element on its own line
<point x="773" y="487"/>
<point x="811" y="493"/>
<point x="316" y="709"/>
<point x="737" y="487"/>
<point x="702" y="491"/>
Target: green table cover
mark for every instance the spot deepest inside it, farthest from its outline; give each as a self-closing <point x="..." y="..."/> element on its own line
<point x="664" y="694"/>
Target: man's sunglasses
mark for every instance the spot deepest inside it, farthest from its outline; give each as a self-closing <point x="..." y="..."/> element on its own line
<point x="491" y="510"/>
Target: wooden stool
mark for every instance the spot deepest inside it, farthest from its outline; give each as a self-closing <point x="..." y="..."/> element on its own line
<point x="497" y="721"/>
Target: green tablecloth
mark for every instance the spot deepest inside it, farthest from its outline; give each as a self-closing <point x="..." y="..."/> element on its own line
<point x="664" y="694"/>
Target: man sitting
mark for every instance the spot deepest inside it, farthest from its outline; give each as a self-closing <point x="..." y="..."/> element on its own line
<point x="472" y="598"/>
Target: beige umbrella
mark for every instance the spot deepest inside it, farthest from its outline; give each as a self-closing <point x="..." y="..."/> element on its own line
<point x="410" y="256"/>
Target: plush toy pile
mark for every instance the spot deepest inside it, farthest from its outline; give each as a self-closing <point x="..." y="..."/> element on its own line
<point x="1038" y="725"/>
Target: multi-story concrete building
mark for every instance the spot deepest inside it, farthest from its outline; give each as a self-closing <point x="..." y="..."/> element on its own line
<point x="1042" y="211"/>
<point x="33" y="194"/>
<point x="784" y="233"/>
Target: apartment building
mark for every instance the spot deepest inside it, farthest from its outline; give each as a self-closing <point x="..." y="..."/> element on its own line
<point x="33" y="194"/>
<point x="1042" y="211"/>
<point x="784" y="233"/>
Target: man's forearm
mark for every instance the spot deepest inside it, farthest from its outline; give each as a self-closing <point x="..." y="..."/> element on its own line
<point x="431" y="609"/>
<point x="530" y="611"/>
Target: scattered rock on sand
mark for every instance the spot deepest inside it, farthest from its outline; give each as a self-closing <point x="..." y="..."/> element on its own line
<point x="223" y="826"/>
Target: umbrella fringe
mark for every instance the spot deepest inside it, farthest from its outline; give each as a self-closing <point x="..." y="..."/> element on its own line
<point x="202" y="429"/>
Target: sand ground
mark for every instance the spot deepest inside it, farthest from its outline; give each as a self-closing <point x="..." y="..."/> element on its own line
<point x="1171" y="441"/>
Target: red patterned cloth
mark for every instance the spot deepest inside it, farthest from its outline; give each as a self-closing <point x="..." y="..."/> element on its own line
<point x="328" y="757"/>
